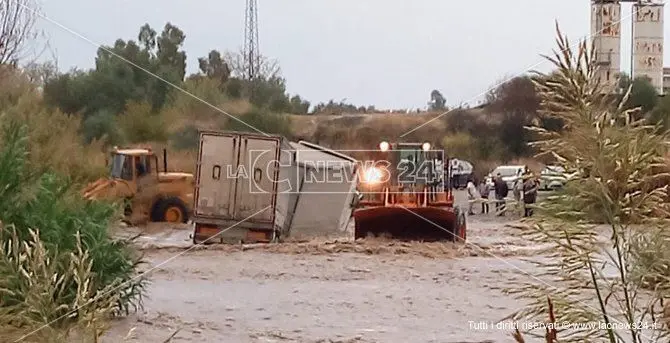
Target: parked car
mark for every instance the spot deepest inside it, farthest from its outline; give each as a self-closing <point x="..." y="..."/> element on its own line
<point x="509" y="174"/>
<point x="554" y="177"/>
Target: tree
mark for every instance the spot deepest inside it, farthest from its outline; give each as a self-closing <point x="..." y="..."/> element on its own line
<point x="437" y="101"/>
<point x="643" y="94"/>
<point x="516" y="102"/>
<point x="145" y="70"/>
<point x="171" y="64"/>
<point x="157" y="54"/>
<point x="516" y="95"/>
<point x="459" y="120"/>
<point x="267" y="90"/>
<point x="341" y="107"/>
<point x="40" y="73"/>
<point x="214" y="67"/>
<point x="661" y="113"/>
<point x="268" y="122"/>
<point x="71" y="92"/>
<point x="298" y="105"/>
<point x="114" y="81"/>
<point x="17" y="27"/>
<point x="268" y="68"/>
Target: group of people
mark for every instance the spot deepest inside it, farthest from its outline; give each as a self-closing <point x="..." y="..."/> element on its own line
<point x="525" y="188"/>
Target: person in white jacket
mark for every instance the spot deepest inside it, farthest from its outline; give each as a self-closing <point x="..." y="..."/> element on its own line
<point x="473" y="194"/>
<point x="517" y="190"/>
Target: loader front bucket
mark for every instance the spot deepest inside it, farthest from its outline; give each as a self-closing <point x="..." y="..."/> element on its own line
<point x="94" y="189"/>
<point x="411" y="223"/>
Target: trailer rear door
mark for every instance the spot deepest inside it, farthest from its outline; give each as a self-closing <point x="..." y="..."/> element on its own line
<point x="256" y="188"/>
<point x="214" y="196"/>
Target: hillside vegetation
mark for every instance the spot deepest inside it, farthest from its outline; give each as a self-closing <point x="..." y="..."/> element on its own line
<point x="139" y="94"/>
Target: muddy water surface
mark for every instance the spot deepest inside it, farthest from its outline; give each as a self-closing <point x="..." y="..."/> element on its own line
<point x="330" y="292"/>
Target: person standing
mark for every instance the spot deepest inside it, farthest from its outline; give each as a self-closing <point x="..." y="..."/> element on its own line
<point x="484" y="192"/>
<point x="517" y="189"/>
<point x="530" y="187"/>
<point x="501" y="191"/>
<point x="472" y="195"/>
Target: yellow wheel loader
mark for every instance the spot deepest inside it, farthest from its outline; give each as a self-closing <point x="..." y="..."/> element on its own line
<point x="151" y="195"/>
<point x="404" y="193"/>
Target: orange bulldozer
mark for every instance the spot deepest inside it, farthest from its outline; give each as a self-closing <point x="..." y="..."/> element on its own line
<point x="405" y="194"/>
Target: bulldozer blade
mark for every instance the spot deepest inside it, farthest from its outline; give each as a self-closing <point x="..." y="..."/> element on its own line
<point x="410" y="223"/>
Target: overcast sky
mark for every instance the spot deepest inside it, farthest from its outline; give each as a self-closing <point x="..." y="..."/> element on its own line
<point x="390" y="53"/>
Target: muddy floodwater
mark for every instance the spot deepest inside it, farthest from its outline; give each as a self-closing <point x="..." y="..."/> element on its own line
<point x="330" y="291"/>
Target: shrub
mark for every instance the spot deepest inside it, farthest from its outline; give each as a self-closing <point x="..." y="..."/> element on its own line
<point x="257" y="120"/>
<point x="101" y="126"/>
<point x="461" y="120"/>
<point x="139" y="123"/>
<point x="55" y="141"/>
<point x="204" y="89"/>
<point x="186" y="139"/>
<point x="14" y="84"/>
<point x="461" y="146"/>
<point x="72" y="259"/>
<point x="483" y="152"/>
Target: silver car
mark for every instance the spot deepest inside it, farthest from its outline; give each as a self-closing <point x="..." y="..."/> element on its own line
<point x="553" y="177"/>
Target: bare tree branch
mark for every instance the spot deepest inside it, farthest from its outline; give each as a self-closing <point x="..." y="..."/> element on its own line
<point x="269" y="68"/>
<point x="17" y="27"/>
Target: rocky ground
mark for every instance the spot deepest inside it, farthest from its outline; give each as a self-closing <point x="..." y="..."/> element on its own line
<point x="329" y="291"/>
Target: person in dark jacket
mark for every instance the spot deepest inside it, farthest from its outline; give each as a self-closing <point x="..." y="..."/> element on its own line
<point x="484" y="192"/>
<point x="530" y="187"/>
<point x="501" y="191"/>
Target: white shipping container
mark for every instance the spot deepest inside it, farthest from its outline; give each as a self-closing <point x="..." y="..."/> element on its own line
<point x="327" y="192"/>
<point x="252" y="188"/>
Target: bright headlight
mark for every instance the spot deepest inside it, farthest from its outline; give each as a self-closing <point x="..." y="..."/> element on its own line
<point x="372" y="175"/>
<point x="426" y="146"/>
<point x="384" y="146"/>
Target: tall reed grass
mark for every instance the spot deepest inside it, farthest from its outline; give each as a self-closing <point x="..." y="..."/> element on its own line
<point x="597" y="232"/>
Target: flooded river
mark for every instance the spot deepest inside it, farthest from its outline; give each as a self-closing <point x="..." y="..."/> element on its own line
<point x="330" y="292"/>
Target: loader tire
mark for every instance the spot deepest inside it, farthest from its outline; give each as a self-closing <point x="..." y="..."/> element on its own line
<point x="171" y="210"/>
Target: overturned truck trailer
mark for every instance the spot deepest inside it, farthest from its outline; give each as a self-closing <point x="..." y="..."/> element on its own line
<point x="249" y="188"/>
<point x="327" y="192"/>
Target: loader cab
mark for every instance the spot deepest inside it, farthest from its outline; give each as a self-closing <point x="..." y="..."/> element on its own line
<point x="132" y="164"/>
<point x="415" y="164"/>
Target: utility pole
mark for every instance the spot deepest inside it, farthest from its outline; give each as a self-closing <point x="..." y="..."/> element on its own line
<point x="251" y="50"/>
